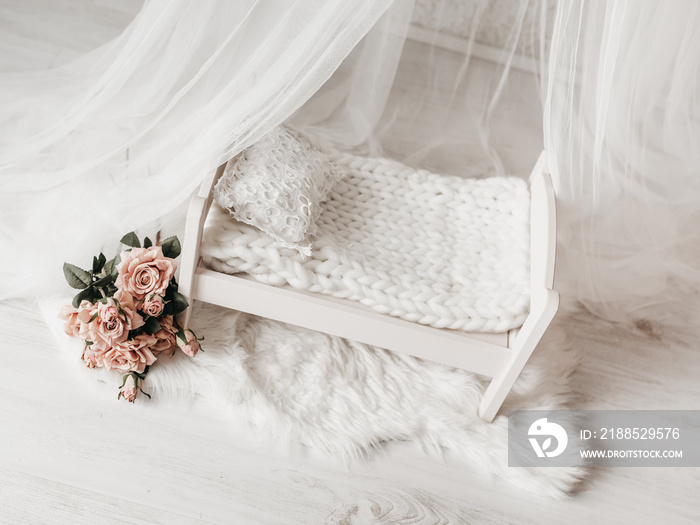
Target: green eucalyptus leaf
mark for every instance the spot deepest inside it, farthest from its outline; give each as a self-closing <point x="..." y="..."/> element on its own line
<point x="178" y="304"/>
<point x="113" y="266"/>
<point x="171" y="247"/>
<point x="130" y="239"/>
<point x="86" y="294"/>
<point x="76" y="277"/>
<point x="151" y="326"/>
<point x="109" y="267"/>
<point x="105" y="281"/>
<point x="181" y="334"/>
<point x="98" y="263"/>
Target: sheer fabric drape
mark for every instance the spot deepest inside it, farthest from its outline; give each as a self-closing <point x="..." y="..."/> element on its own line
<point x="622" y="127"/>
<point x="118" y="138"/>
<point x="610" y="89"/>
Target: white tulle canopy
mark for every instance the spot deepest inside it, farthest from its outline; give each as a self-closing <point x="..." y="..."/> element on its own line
<point x="623" y="136"/>
<point x="119" y="138"/>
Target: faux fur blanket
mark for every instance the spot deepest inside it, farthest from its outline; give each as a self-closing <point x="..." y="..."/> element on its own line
<point x="347" y="399"/>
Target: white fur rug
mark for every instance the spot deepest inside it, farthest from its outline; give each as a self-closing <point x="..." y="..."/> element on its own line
<point x="346" y="399"/>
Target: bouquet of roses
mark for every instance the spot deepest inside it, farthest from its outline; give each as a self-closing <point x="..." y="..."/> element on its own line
<point x="126" y="310"/>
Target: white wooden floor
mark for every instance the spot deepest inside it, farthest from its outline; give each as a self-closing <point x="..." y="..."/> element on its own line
<point x="66" y="457"/>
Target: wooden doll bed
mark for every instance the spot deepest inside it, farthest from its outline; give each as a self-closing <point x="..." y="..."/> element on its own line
<point x="499" y="355"/>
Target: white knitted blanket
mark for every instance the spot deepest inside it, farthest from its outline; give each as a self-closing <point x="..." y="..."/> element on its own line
<point x="438" y="250"/>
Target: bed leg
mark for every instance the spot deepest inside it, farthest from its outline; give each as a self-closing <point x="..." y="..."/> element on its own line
<point x="196" y="216"/>
<point x="194" y="227"/>
<point x="546" y="305"/>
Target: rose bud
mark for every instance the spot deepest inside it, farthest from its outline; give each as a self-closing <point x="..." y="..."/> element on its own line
<point x="188" y="342"/>
<point x="153" y="305"/>
<point x="90" y="358"/>
<point x="130" y="388"/>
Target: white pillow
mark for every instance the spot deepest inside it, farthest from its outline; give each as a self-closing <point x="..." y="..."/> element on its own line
<point x="278" y="185"/>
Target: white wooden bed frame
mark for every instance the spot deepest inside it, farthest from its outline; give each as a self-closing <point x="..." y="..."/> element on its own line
<point x="500" y="356"/>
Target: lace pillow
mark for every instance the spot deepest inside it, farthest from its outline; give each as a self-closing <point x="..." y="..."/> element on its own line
<point x="278" y="185"/>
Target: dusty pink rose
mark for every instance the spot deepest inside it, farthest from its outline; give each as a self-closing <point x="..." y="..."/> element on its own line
<point x="108" y="321"/>
<point x="153" y="305"/>
<point x="165" y="336"/>
<point x="90" y="357"/>
<point x="130" y="388"/>
<point x="85" y="312"/>
<point x="132" y="355"/>
<point x="191" y="347"/>
<point x="128" y="305"/>
<point x="144" y="271"/>
<point x="168" y="324"/>
<point x="72" y="324"/>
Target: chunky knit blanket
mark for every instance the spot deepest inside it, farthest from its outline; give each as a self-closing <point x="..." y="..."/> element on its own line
<point x="439" y="250"/>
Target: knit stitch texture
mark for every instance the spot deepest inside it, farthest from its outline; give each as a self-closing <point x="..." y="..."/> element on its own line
<point x="444" y="251"/>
